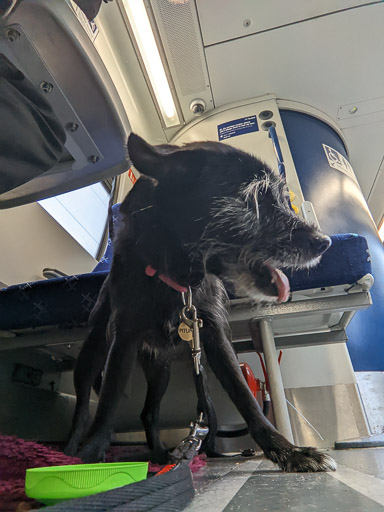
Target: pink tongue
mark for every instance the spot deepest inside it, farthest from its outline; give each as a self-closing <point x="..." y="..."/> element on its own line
<point x="282" y="284"/>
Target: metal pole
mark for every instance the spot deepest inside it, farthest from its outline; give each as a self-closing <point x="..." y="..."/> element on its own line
<point x="279" y="403"/>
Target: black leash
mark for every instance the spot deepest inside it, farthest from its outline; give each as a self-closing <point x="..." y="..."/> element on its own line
<point x="169" y="492"/>
<point x="189" y="331"/>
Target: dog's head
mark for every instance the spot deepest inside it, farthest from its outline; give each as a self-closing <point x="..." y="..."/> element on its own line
<point x="232" y="214"/>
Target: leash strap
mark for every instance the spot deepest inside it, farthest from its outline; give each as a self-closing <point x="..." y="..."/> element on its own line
<point x="199" y="431"/>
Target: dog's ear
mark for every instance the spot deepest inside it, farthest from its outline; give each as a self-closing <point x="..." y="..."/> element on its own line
<point x="147" y="159"/>
<point x="165" y="161"/>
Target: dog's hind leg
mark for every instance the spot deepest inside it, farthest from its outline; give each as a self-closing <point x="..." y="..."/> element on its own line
<point x="224" y="363"/>
<point x="89" y="365"/>
<point x="120" y="364"/>
<point x="156" y="368"/>
<point x="205" y="405"/>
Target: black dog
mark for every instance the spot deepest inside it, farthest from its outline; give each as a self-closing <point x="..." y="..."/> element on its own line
<point x="201" y="215"/>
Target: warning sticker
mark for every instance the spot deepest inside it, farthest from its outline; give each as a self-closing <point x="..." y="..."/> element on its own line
<point x="131" y="176"/>
<point x="339" y="162"/>
<point x="237" y="127"/>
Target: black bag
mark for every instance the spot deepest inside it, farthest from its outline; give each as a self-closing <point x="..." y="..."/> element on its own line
<point x="31" y="136"/>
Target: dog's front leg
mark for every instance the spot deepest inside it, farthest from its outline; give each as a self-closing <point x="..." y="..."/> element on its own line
<point x="89" y="365"/>
<point x="156" y="368"/>
<point x="120" y="364"/>
<point x="224" y="363"/>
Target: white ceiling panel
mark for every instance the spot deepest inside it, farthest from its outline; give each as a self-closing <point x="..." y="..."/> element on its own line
<point x="222" y="20"/>
<point x="326" y="62"/>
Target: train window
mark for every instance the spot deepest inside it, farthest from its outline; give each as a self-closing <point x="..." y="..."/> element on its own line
<point x="82" y="213"/>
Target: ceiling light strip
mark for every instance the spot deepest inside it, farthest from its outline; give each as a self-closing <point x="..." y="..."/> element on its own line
<point x="145" y="40"/>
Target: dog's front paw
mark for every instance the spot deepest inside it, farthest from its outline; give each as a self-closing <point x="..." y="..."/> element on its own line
<point x="93" y="451"/>
<point x="303" y="460"/>
<point x="90" y="455"/>
<point x="71" y="448"/>
<point x="160" y="456"/>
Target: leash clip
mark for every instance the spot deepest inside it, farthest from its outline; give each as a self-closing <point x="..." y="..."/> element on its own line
<point x="188" y="316"/>
<point x="189" y="446"/>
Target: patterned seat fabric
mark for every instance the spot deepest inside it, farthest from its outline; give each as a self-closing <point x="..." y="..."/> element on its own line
<point x="65" y="301"/>
<point x="345" y="262"/>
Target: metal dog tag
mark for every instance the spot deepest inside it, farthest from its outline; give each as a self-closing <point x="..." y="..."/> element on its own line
<point x="185" y="332"/>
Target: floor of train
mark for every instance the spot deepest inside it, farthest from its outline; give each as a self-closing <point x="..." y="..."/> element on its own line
<point x="255" y="484"/>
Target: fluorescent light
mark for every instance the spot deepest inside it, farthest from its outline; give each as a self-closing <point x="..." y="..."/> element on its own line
<point x="142" y="30"/>
<point x="381" y="230"/>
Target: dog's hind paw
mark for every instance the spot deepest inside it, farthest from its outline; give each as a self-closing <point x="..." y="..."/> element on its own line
<point x="303" y="460"/>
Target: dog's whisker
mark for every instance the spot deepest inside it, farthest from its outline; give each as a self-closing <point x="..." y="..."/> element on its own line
<point x="142" y="209"/>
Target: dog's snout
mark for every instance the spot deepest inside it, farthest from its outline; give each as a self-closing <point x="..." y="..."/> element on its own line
<point x="320" y="243"/>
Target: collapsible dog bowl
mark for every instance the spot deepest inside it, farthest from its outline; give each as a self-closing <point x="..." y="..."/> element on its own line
<point x="53" y="484"/>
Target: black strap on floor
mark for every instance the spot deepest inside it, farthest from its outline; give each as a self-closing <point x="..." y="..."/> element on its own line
<point x="170" y="492"/>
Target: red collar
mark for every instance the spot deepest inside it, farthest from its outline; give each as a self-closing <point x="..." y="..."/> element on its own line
<point x="150" y="271"/>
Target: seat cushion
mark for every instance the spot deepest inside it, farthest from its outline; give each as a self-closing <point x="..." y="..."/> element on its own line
<point x="65" y="301"/>
<point x="345" y="262"/>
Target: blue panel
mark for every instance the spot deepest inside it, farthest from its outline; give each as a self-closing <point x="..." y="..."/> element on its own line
<point x="237" y="127"/>
<point x="341" y="208"/>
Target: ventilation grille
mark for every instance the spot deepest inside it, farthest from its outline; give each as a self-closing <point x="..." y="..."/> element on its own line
<point x="178" y="23"/>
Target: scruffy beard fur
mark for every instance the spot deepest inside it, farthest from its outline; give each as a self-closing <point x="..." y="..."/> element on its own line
<point x="257" y="230"/>
<point x="204" y="215"/>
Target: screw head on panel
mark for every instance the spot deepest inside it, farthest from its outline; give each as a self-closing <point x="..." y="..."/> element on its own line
<point x="12" y="35"/>
<point x="72" y="127"/>
<point x="46" y="87"/>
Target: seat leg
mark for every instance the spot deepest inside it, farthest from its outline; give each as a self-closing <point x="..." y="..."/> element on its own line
<point x="280" y="409"/>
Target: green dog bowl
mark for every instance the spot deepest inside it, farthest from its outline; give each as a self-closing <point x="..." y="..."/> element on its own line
<point x="53" y="484"/>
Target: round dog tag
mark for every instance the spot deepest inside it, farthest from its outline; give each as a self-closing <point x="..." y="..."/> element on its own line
<point x="185" y="332"/>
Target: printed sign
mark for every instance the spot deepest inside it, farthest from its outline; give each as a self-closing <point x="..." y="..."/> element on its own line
<point x="237" y="127"/>
<point x="339" y="162"/>
<point x="89" y="26"/>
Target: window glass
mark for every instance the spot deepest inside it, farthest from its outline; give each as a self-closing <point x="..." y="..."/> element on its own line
<point x="82" y="213"/>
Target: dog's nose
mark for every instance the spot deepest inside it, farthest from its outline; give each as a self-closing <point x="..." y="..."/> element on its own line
<point x="321" y="243"/>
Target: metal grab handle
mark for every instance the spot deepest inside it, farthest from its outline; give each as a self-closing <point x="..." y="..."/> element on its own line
<point x="279" y="155"/>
